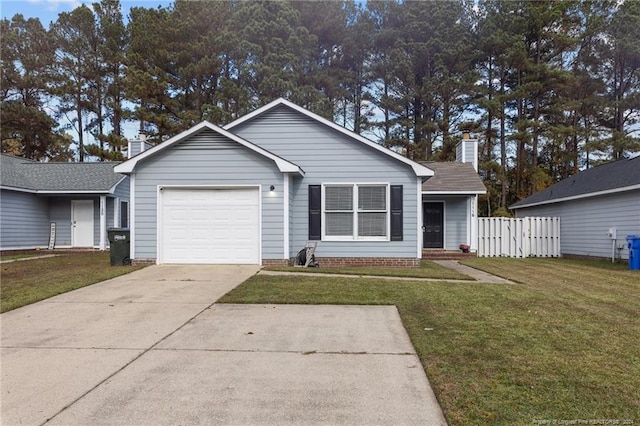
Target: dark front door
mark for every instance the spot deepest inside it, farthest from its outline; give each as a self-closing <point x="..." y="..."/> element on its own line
<point x="433" y="221"/>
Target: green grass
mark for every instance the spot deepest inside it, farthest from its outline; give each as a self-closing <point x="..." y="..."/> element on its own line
<point x="27" y="282"/>
<point x="561" y="345"/>
<point x="426" y="270"/>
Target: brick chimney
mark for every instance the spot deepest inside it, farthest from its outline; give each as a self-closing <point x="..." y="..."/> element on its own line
<point x="467" y="150"/>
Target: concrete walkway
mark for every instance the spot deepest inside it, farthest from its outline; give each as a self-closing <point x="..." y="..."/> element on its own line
<point x="22" y="259"/>
<point x="476" y="275"/>
<point x="151" y="347"/>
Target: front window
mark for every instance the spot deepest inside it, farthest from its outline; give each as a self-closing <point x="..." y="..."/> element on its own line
<point x="358" y="211"/>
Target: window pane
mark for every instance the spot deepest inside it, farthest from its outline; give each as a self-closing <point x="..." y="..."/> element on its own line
<point x="372" y="224"/>
<point x="339" y="224"/>
<point x="338" y="198"/>
<point x="372" y="197"/>
<point x="124" y="214"/>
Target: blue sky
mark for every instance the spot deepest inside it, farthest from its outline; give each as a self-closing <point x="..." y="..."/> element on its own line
<point x="48" y="10"/>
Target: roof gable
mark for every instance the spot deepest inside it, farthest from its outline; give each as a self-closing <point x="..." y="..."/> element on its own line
<point x="418" y="169"/>
<point x="618" y="176"/>
<point x="57" y="177"/>
<point x="283" y="165"/>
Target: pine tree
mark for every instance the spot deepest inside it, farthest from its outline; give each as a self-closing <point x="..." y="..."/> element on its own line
<point x="25" y="73"/>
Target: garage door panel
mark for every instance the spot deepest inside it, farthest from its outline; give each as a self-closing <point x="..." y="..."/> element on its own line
<point x="210" y="226"/>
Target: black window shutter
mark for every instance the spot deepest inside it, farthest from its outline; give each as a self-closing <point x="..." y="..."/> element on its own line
<point x="315" y="213"/>
<point x="396" y="212"/>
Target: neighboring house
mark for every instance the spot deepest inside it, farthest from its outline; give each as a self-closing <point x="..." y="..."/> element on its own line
<point x="82" y="199"/>
<point x="597" y="207"/>
<point x="256" y="190"/>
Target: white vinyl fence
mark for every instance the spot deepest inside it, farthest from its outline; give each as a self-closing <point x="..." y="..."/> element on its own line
<point x="523" y="237"/>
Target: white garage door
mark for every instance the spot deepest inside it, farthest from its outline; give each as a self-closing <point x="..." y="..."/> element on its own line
<point x="210" y="226"/>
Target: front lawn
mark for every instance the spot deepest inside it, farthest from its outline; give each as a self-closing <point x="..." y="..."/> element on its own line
<point x="29" y="281"/>
<point x="426" y="270"/>
<point x="562" y="345"/>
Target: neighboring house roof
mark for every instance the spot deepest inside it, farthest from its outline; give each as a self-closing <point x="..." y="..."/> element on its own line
<point x="419" y="169"/>
<point x="453" y="178"/>
<point x="283" y="165"/>
<point x="54" y="177"/>
<point x="618" y="176"/>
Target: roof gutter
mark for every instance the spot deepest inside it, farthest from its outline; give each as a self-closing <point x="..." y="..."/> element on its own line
<point x="454" y="192"/>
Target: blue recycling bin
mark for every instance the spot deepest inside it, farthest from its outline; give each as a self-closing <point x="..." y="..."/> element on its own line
<point x="633" y="242"/>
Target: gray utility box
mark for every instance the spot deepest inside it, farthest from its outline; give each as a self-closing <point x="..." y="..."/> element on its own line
<point x="120" y="242"/>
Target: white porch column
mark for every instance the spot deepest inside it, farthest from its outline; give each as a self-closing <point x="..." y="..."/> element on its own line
<point x="285" y="210"/>
<point x="474" y="224"/>
<point x="103" y="222"/>
<point x="116" y="212"/>
<point x="132" y="215"/>
<point x="469" y="219"/>
<point x="420" y="220"/>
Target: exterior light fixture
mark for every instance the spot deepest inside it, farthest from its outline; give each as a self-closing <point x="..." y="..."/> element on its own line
<point x="272" y="188"/>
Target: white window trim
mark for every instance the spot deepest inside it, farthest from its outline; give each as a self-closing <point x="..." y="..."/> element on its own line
<point x="355" y="212"/>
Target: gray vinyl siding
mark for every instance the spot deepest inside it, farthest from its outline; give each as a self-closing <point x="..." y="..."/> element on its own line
<point x="123" y="189"/>
<point x="465" y="152"/>
<point x="110" y="207"/>
<point x="455" y="222"/>
<point x="328" y="156"/>
<point x="292" y="182"/>
<point x="24" y="220"/>
<point x="60" y="213"/>
<point x="459" y="153"/>
<point x="96" y="222"/>
<point x="207" y="158"/>
<point x="585" y="222"/>
<point x="136" y="147"/>
<point x="455" y="219"/>
<point x="122" y="193"/>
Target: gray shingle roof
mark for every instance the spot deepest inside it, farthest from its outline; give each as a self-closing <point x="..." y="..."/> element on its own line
<point x="57" y="177"/>
<point x="453" y="177"/>
<point x="610" y="176"/>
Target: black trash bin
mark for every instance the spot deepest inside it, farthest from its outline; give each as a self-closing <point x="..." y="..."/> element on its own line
<point x="120" y="246"/>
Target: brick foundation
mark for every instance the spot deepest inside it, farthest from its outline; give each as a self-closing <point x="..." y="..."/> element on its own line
<point x="384" y="262"/>
<point x="330" y="262"/>
<point x="276" y="262"/>
<point x="439" y="254"/>
<point x="139" y="262"/>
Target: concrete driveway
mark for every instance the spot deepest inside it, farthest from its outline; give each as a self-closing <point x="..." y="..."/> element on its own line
<point x="151" y="347"/>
